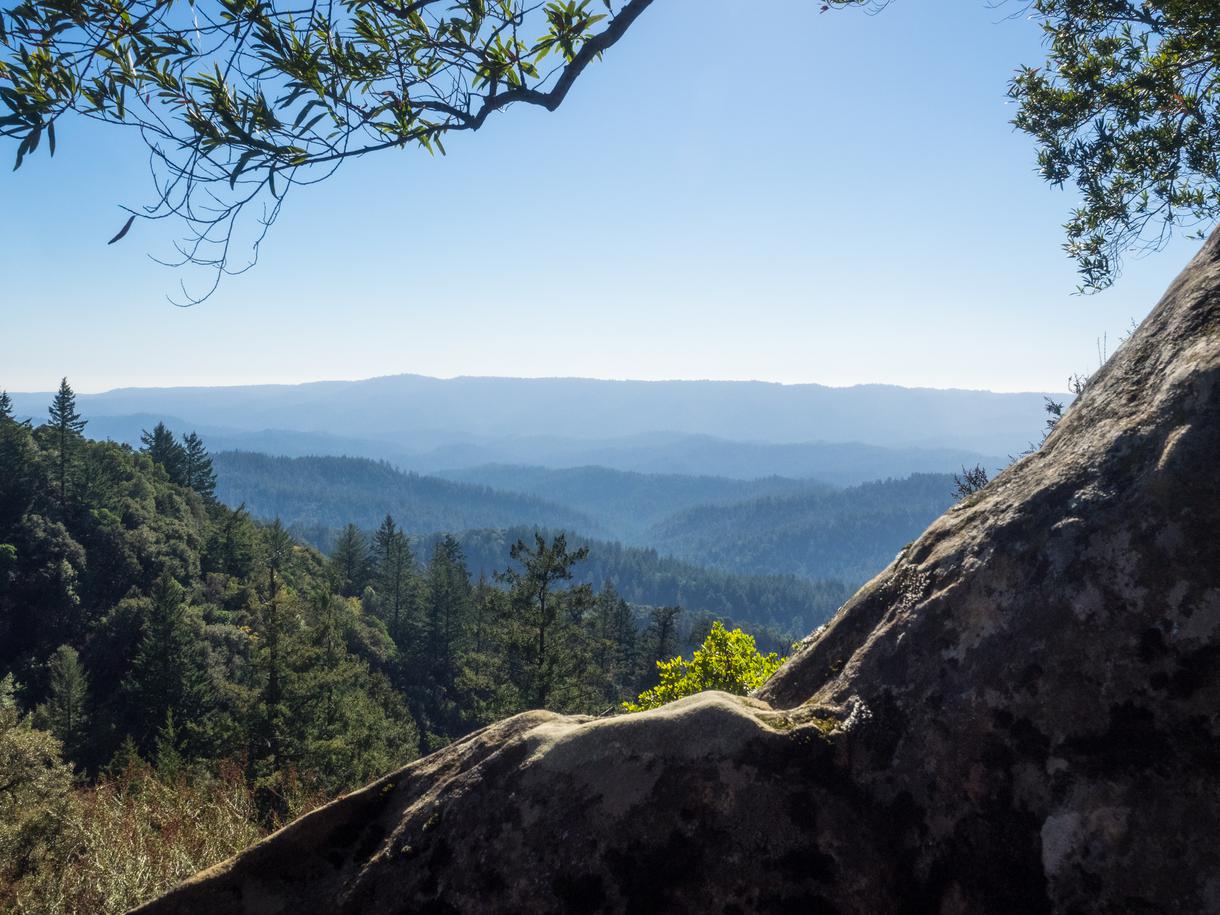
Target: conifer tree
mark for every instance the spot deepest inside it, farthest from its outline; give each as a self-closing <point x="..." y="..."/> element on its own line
<point x="274" y="716"/>
<point x="161" y="446"/>
<point x="350" y="562"/>
<point x="167" y="755"/>
<point x="449" y="604"/>
<point x="6" y="406"/>
<point x="168" y="673"/>
<point x="197" y="469"/>
<point x="662" y="636"/>
<point x="65" y="712"/>
<point x="233" y="545"/>
<point x="396" y="581"/>
<point x="17" y="471"/>
<point x="615" y="638"/>
<point x="67" y="427"/>
<point x="544" y="612"/>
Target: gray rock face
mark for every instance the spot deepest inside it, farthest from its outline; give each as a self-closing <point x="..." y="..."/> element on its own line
<point x="1020" y="715"/>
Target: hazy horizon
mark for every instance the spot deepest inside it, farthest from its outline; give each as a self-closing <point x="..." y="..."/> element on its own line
<point x="85" y="390"/>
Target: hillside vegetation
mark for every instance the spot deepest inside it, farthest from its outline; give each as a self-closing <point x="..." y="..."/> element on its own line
<point x="777" y="608"/>
<point x="329" y="492"/>
<point x="625" y="503"/>
<point x="763" y="528"/>
<point x="849" y="534"/>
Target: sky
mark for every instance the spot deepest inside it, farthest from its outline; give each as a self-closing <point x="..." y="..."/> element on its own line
<point x="737" y="191"/>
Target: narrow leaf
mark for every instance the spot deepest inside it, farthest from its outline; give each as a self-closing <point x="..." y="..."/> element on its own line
<point x="123" y="231"/>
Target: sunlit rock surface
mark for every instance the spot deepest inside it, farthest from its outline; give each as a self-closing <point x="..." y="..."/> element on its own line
<point x="1020" y="715"/>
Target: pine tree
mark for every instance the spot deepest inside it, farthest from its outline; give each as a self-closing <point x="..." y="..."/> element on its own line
<point x="397" y="587"/>
<point x="449" y="605"/>
<point x="349" y="725"/>
<point x="161" y="446"/>
<point x="65" y="711"/>
<point x="615" y="641"/>
<point x="544" y="612"/>
<point x="6" y="407"/>
<point x="350" y="562"/>
<point x="197" y="467"/>
<point x="662" y="638"/>
<point x="67" y="426"/>
<point x="274" y="718"/>
<point x="232" y="549"/>
<point x="18" y="476"/>
<point x="168" y="673"/>
<point x="167" y="755"/>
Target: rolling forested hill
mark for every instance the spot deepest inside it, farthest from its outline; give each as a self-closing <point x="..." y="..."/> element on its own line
<point x="761" y="528"/>
<point x="321" y="493"/>
<point x="471" y="457"/>
<point x="785" y="605"/>
<point x="848" y="534"/>
<point x="624" y="503"/>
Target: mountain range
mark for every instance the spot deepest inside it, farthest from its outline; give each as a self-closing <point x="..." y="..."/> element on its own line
<point x="743" y="430"/>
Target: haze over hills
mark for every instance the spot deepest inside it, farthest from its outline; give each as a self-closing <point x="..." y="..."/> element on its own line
<point x="627" y="503"/>
<point x="668" y="454"/>
<point x="846" y="534"/>
<point x="414" y="415"/>
<point x="328" y="492"/>
<point x="768" y="527"/>
<point x="317" y="496"/>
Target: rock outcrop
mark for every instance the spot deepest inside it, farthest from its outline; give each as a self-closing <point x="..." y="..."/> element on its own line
<point x="1020" y="715"/>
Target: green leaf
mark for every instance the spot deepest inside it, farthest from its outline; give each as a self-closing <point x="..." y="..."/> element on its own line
<point x="241" y="166"/>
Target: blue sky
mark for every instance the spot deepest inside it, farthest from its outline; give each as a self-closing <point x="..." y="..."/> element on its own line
<point x="736" y="191"/>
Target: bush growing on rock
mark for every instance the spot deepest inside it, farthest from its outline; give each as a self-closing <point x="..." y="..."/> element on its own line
<point x="727" y="660"/>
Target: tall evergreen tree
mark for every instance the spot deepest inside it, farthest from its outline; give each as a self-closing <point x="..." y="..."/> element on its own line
<point x="615" y="639"/>
<point x="233" y="545"/>
<point x="161" y="446"/>
<point x="397" y="588"/>
<point x="168" y="673"/>
<point x="273" y="722"/>
<point x="197" y="469"/>
<point x="544" y="612"/>
<point x="65" y="711"/>
<point x="662" y="638"/>
<point x="67" y="427"/>
<point x="17" y="472"/>
<point x="449" y="606"/>
<point x="350" y="562"/>
<point x="6" y="406"/>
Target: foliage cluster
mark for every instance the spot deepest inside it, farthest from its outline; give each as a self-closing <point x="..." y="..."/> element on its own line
<point x="727" y="660"/>
<point x="1127" y="108"/>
